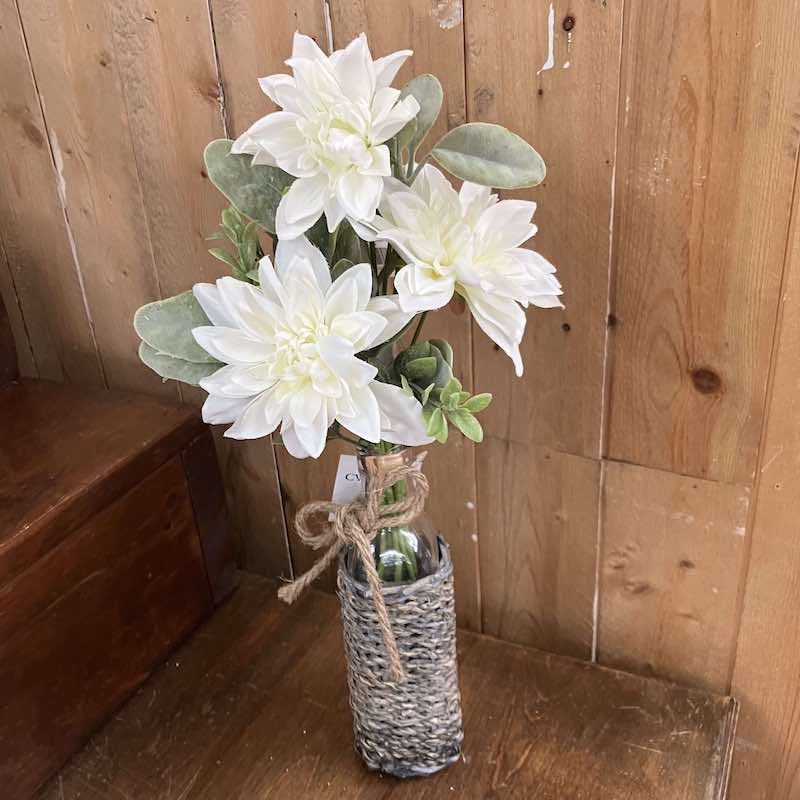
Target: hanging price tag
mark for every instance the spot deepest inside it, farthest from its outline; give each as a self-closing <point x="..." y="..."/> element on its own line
<point x="348" y="485"/>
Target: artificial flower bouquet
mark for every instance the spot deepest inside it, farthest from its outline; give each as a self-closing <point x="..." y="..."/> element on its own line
<point x="326" y="340"/>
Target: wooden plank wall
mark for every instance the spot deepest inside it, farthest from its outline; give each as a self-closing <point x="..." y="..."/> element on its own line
<point x="634" y="499"/>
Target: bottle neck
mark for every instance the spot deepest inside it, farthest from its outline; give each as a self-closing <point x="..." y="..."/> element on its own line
<point x="374" y="466"/>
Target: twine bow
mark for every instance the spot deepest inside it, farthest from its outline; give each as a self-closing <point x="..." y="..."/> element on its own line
<point x="357" y="523"/>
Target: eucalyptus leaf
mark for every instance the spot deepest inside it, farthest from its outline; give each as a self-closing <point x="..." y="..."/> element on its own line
<point x="489" y="155"/>
<point x="350" y="246"/>
<point x="477" y="402"/>
<point x="176" y="368"/>
<point x="166" y="326"/>
<point x="466" y="423"/>
<point x="253" y="190"/>
<point x="428" y="92"/>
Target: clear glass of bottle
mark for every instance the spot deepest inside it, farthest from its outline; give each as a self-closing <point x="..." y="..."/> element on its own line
<point x="403" y="553"/>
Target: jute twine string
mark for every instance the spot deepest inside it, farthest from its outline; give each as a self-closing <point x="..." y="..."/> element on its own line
<point x="357" y="523"/>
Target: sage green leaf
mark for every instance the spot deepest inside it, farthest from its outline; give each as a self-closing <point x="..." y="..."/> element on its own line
<point x="252" y="276"/>
<point x="318" y="234"/>
<point x="451" y="389"/>
<point x="350" y="246"/>
<point x="490" y="155"/>
<point x="406" y="386"/>
<point x="435" y="424"/>
<point x="420" y="370"/>
<point x="428" y="92"/>
<point x="426" y="394"/>
<point x="166" y="326"/>
<point x="253" y="190"/>
<point x="340" y="267"/>
<point x="176" y="369"/>
<point x="405" y="136"/>
<point x="477" y="402"/>
<point x="249" y="248"/>
<point x="445" y="348"/>
<point x="225" y="257"/>
<point x="466" y="423"/>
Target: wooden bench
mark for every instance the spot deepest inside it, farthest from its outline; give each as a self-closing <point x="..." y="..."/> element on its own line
<point x="113" y="547"/>
<point x="255" y="706"/>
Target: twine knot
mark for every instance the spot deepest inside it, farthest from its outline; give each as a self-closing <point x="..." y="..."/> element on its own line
<point x="357" y="524"/>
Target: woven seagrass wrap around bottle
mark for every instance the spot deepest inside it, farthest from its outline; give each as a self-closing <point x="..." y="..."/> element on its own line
<point x="411" y="727"/>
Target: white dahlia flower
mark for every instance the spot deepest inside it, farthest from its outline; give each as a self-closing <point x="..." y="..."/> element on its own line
<point x="467" y="243"/>
<point x="290" y="352"/>
<point x="337" y="113"/>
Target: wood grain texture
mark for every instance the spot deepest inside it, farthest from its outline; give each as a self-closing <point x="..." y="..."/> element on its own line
<point x="707" y="153"/>
<point x="68" y="452"/>
<point x="253" y="39"/>
<point x="673" y="551"/>
<point x="767" y="758"/>
<point x="256" y="706"/>
<point x="436" y="36"/>
<point x="568" y="112"/>
<point x="74" y="55"/>
<point x="537" y="511"/>
<point x="42" y="288"/>
<point x="93" y="617"/>
<point x="9" y="369"/>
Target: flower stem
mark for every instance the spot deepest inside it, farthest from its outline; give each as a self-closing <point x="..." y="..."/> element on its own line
<point x="414" y="174"/>
<point x="419" y="327"/>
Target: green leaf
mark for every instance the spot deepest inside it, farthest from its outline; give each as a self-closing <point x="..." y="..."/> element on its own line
<point x="350" y="246"/>
<point x="452" y="388"/>
<point x="426" y="394"/>
<point x="466" y="423"/>
<point x="253" y="190"/>
<point x="232" y="220"/>
<point x="489" y="155"/>
<point x="445" y="348"/>
<point x="435" y="424"/>
<point x="477" y="402"/>
<point x="420" y="370"/>
<point x="252" y="276"/>
<point x="225" y="256"/>
<point x="340" y="267"/>
<point x="317" y="234"/>
<point x="176" y="368"/>
<point x="166" y="326"/>
<point x="249" y="247"/>
<point x="428" y="92"/>
<point x="406" y="386"/>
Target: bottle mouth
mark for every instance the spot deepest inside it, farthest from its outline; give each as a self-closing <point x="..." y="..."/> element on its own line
<point x="368" y="452"/>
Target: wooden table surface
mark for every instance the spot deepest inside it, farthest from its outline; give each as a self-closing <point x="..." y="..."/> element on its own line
<point x="255" y="706"/>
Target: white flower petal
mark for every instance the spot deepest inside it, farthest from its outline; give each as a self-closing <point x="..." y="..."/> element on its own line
<point x="349" y="292"/>
<point x="418" y="291"/>
<point x="363" y="328"/>
<point x="233" y="381"/>
<point x="312" y="437"/>
<point x="210" y="301"/>
<point x="223" y="410"/>
<point x="230" y="345"/>
<point x="366" y="421"/>
<point x="501" y="319"/>
<point x="289" y="249"/>
<point x="305" y="47"/>
<point x="401" y="416"/>
<point x="359" y="194"/>
<point x="282" y="90"/>
<point x="254" y="421"/>
<point x="291" y="442"/>
<point x="355" y="71"/>
<point x="387" y="67"/>
<point x="388" y="306"/>
<point x="394" y="120"/>
<point x="334" y="212"/>
<point x="506" y="224"/>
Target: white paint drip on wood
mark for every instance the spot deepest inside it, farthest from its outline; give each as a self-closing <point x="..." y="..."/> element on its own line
<point x="448" y="13"/>
<point x="550" y="61"/>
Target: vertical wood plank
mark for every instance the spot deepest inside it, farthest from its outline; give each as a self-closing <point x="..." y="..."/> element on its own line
<point x="15" y="347"/>
<point x="767" y="756"/>
<point x="538" y="546"/>
<point x="707" y="150"/>
<point x="75" y="61"/>
<point x="560" y="95"/>
<point x="568" y="112"/>
<point x="48" y="310"/>
<point x="672" y="557"/>
<point x="253" y="40"/>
